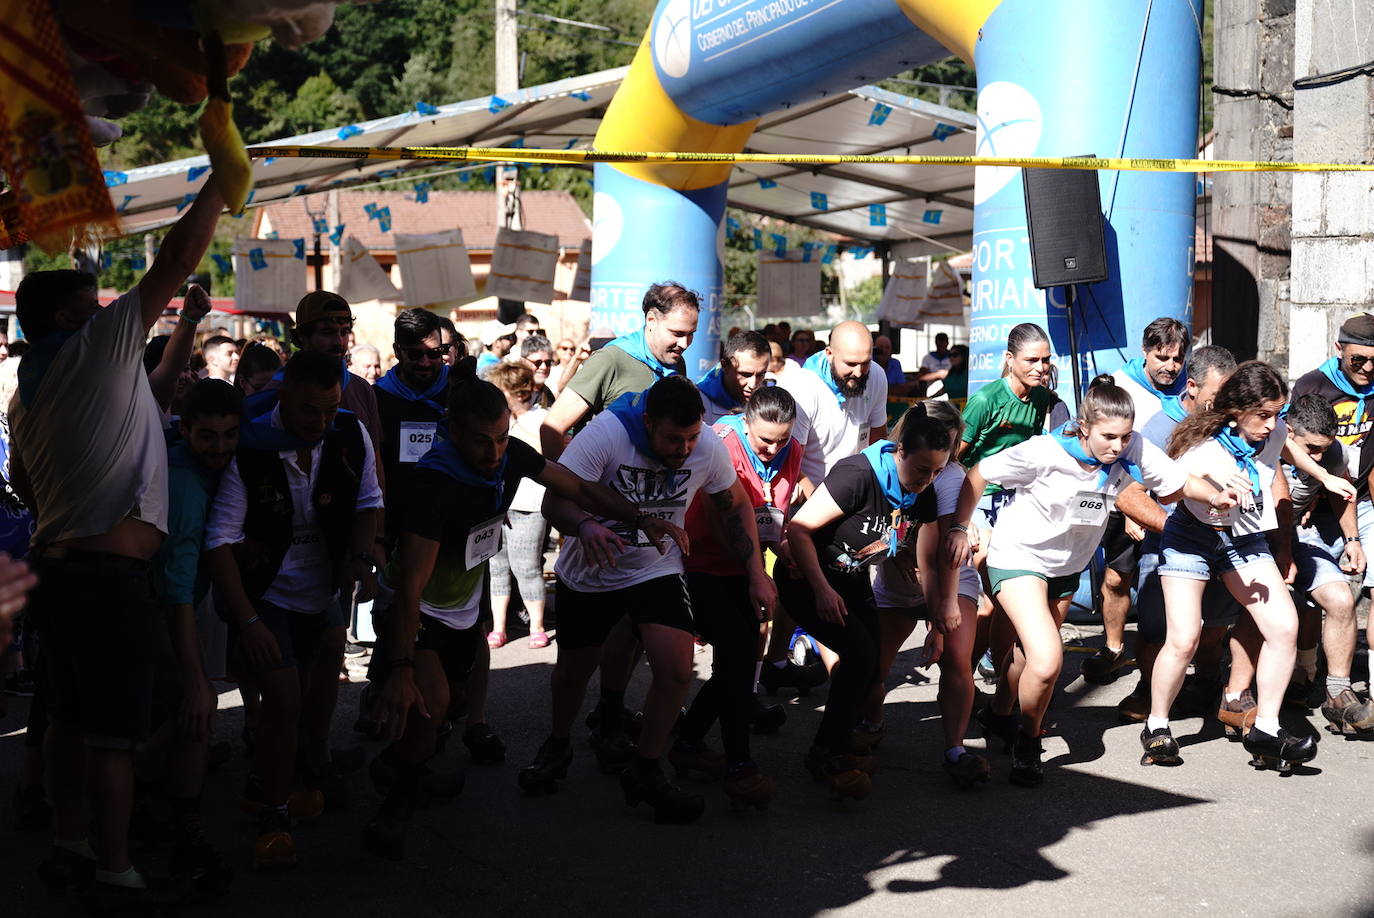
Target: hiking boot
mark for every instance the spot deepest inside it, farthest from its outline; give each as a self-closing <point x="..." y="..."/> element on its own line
<point x="1135" y="707"/>
<point x="1105" y="666"/>
<point x="1026" y="768"/>
<point x="1347" y="714"/>
<point x="1237" y="716"/>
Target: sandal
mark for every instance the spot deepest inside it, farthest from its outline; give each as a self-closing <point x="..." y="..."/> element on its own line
<point x="496" y="639"/>
<point x="538" y="640"/>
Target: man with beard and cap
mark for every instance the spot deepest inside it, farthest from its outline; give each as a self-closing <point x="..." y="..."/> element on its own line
<point x="1346" y="382"/>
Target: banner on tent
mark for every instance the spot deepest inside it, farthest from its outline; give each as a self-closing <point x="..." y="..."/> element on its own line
<point x="523" y="264"/>
<point x="582" y="282"/>
<point x="361" y="277"/>
<point x="268" y="277"/>
<point x="919" y="291"/>
<point x="789" y="284"/>
<point x="435" y="270"/>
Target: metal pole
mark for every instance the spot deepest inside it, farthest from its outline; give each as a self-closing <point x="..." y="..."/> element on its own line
<point x="507" y="52"/>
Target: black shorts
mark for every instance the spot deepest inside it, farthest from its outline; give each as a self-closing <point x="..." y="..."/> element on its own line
<point x="98" y="624"/>
<point x="585" y="619"/>
<point x="299" y="635"/>
<point x="457" y="649"/>
<point x="1122" y="551"/>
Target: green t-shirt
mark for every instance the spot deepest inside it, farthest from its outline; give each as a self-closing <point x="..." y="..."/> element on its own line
<point x="609" y="374"/>
<point x="995" y="419"/>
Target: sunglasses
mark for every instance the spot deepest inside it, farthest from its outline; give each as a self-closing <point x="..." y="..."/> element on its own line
<point x="1359" y="360"/>
<point x="433" y="353"/>
<point x="548" y="362"/>
<point x="566" y="347"/>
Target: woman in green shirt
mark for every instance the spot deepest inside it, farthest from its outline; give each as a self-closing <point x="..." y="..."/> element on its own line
<point x="999" y="416"/>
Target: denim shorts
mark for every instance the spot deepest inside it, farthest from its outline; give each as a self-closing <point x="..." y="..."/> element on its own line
<point x="1317" y="552"/>
<point x="1194" y="551"/>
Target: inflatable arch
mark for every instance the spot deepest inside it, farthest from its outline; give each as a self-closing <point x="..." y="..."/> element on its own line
<point x="1055" y="78"/>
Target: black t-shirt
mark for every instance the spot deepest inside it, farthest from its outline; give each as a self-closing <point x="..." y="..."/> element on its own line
<point x="407" y="432"/>
<point x="446" y="511"/>
<point x="859" y="538"/>
<point x="1351" y="432"/>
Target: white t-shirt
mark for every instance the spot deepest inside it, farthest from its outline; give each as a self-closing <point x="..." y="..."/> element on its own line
<point x="1150" y="420"/>
<point x="1211" y="460"/>
<point x="1058" y="513"/>
<point x="934" y="361"/>
<point x="603" y="452"/>
<point x="92" y="440"/>
<point x="1306" y="490"/>
<point x="890" y="588"/>
<point x="529" y="497"/>
<point x="831" y="431"/>
<point x="303" y="582"/>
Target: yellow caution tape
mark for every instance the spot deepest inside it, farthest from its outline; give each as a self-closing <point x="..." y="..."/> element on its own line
<point x="555" y="157"/>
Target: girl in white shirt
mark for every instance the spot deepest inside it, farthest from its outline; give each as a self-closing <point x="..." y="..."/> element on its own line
<point x="1237" y="443"/>
<point x="1066" y="483"/>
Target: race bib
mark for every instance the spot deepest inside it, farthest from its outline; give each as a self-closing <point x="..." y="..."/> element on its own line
<point x="416" y="439"/>
<point x="1089" y="508"/>
<point x="484" y="540"/>
<point x="769" y="520"/>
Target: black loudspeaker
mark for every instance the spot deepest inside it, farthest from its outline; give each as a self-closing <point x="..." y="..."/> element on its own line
<point x="1064" y="215"/>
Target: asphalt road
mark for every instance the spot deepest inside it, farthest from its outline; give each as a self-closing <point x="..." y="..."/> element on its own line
<point x="1102" y="836"/>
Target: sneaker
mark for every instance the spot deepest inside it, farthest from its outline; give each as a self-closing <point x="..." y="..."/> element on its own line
<point x="671" y="804"/>
<point x="1026" y="768"/>
<point x="550" y="766"/>
<point x="1103" y="667"/>
<point x="987" y="671"/>
<point x="274" y="847"/>
<point x="800" y="678"/>
<point x="1135" y="707"/>
<point x="484" y="745"/>
<point x="193" y="858"/>
<point x="1347" y="714"/>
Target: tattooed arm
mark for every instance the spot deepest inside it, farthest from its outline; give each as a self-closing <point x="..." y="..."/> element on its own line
<point x="741" y="532"/>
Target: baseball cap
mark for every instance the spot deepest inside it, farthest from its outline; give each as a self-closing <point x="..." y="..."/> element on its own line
<point x="494" y="329"/>
<point x="320" y="304"/>
<point x="1358" y="329"/>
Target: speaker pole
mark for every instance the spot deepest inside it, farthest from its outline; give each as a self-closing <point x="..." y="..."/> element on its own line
<point x="1074" y="362"/>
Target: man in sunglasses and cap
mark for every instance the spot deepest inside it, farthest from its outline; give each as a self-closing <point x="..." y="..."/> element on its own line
<point x="1346" y="382"/>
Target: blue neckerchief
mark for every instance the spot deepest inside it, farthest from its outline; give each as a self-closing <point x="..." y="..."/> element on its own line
<point x="635" y="345"/>
<point x="1170" y="399"/>
<point x="262" y="403"/>
<point x="712" y="385"/>
<point x="1244" y="453"/>
<point x="766" y="471"/>
<point x="629" y="410"/>
<point x="443" y="456"/>
<point x="882" y="456"/>
<point x="1074" y="447"/>
<point x="393" y="383"/>
<point x="819" y="364"/>
<point x="1331" y="370"/>
<point x="34" y="366"/>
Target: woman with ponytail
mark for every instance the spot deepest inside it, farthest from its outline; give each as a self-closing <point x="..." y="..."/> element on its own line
<point x="914" y="585"/>
<point x="1236" y="444"/>
<point x="1065" y="484"/>
<point x="868" y="508"/>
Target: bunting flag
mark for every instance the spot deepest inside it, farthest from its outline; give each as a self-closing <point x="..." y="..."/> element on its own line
<point x="384" y="219"/>
<point x="371" y="210"/>
<point x="581" y="96"/>
<point x="47" y="157"/>
<point x="435" y="270"/>
<point x="830" y="252"/>
<point x="336" y="236"/>
<point x="196" y="172"/>
<point x="351" y="130"/>
<point x="138" y="262"/>
<point x="424" y="108"/>
<point x="819" y="201"/>
<point x="523" y="265"/>
<point x="779" y="244"/>
<point x="299" y="250"/>
<point x="320" y="224"/>
<point x="361" y="277"/>
<point x="115" y="178"/>
<point x="267" y="276"/>
<point x="879" y="113"/>
<point x="877" y="215"/>
<point x="222" y="262"/>
<point x="422" y="192"/>
<point x="932" y="216"/>
<point x="758" y="239"/>
<point x="732" y="225"/>
<point x="496" y="104"/>
<point x="943" y="131"/>
<point x="788" y="284"/>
